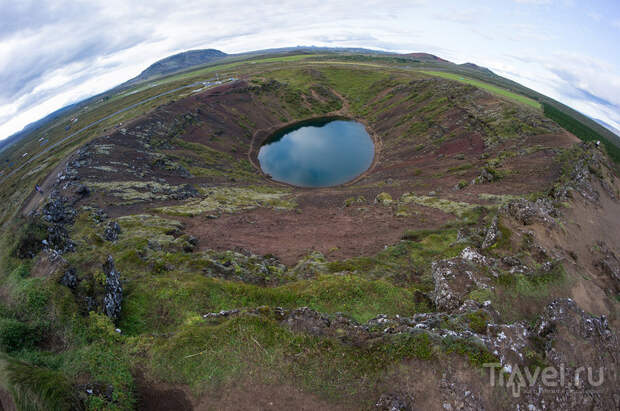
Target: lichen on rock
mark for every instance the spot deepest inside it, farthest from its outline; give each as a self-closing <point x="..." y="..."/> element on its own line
<point x="231" y="200"/>
<point x="113" y="297"/>
<point x="383" y="199"/>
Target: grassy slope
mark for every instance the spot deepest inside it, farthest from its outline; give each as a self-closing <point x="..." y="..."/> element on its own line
<point x="486" y="86"/>
<point x="157" y="304"/>
<point x="524" y="91"/>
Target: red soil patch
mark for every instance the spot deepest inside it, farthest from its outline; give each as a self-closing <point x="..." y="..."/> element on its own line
<point x="472" y="144"/>
<point x="337" y="232"/>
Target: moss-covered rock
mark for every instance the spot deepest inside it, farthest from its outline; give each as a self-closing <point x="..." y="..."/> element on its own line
<point x="220" y="200"/>
<point x="458" y="208"/>
<point x="384" y="199"/>
<point x="143" y="191"/>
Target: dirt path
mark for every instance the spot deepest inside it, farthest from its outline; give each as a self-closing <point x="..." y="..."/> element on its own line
<point x="36" y="199"/>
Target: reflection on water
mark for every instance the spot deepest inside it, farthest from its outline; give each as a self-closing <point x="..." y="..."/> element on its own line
<point x="318" y="153"/>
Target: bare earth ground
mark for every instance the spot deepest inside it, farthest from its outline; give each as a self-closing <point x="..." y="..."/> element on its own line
<point x="337" y="232"/>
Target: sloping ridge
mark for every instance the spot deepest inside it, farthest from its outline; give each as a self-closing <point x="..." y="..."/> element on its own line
<point x="426" y="57"/>
<point x="477" y="67"/>
<point x="180" y="61"/>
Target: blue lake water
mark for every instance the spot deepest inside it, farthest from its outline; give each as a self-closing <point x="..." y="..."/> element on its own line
<point x="318" y="153"/>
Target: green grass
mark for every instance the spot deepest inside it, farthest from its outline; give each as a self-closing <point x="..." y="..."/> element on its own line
<point x="227" y="66"/>
<point x="231" y="200"/>
<point x="161" y="305"/>
<point x="16" y="335"/>
<point x="485" y="86"/>
<point x="477" y="354"/>
<point x="203" y="356"/>
<point x="359" y="86"/>
<point x="407" y="262"/>
<point x="580" y="130"/>
<point x="519" y="296"/>
<point x="213" y="355"/>
<point x="156" y="302"/>
<point x="478" y="321"/>
<point x="38" y="388"/>
<point x="458" y="208"/>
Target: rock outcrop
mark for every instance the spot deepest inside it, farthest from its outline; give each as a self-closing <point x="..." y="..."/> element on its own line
<point x="113" y="297"/>
<point x="456" y="277"/>
<point x="69" y="278"/>
<point x="528" y="212"/>
<point x="394" y="402"/>
<point x="493" y="234"/>
<point x="384" y="199"/>
<point x="584" y="162"/>
<point x="58" y="210"/>
<point x="487" y="175"/>
<point x="111" y="232"/>
<point x="583" y="349"/>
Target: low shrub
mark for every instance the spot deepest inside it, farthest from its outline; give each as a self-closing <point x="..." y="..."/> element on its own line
<point x="16" y="335"/>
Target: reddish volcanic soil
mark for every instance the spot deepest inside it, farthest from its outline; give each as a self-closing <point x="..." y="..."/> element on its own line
<point x="320" y="222"/>
<point x="338" y="232"/>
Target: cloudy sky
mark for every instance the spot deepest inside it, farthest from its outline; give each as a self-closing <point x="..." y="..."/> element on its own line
<point x="56" y="52"/>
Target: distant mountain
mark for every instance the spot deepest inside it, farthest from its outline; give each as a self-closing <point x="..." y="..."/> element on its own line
<point x="473" y="66"/>
<point x="425" y="57"/>
<point x="179" y="62"/>
<point x="190" y="59"/>
<point x="315" y="49"/>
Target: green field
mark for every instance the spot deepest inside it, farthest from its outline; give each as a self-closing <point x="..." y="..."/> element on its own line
<point x="488" y="87"/>
<point x="226" y="66"/>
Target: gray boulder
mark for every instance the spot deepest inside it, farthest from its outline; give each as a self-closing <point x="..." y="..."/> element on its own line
<point x="112" y="231"/>
<point x="456" y="277"/>
<point x="69" y="279"/>
<point x="453" y="281"/>
<point x="493" y="234"/>
<point x="527" y="212"/>
<point x="394" y="402"/>
<point x="113" y="290"/>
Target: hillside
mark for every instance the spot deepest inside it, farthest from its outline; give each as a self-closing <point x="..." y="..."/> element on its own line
<point x="160" y="268"/>
<point x="479" y="68"/>
<point x="425" y="57"/>
<point x="179" y="62"/>
<point x="192" y="58"/>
